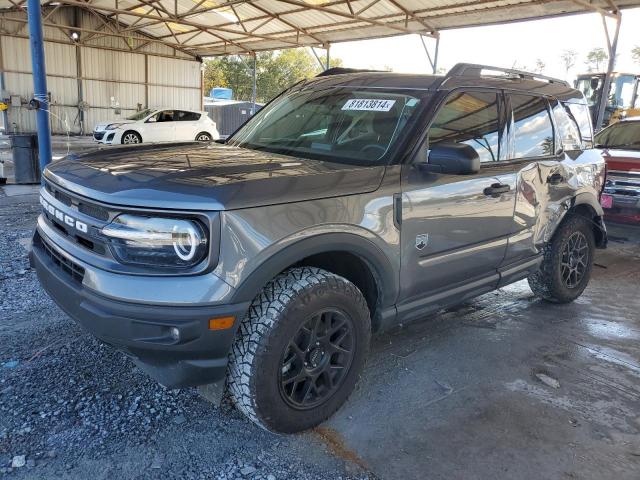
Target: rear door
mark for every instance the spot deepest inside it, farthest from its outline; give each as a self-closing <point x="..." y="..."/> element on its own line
<point x="532" y="169"/>
<point x="454" y="229"/>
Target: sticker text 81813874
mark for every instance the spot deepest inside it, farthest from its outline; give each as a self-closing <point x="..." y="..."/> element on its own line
<point x="368" y="104"/>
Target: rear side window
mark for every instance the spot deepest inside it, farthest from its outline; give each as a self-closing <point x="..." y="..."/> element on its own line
<point x="583" y="118"/>
<point x="568" y="130"/>
<point x="532" y="128"/>
<point x="470" y="118"/>
<point x="187" y="116"/>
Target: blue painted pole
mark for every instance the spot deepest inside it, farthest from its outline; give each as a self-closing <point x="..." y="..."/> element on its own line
<point x="39" y="81"/>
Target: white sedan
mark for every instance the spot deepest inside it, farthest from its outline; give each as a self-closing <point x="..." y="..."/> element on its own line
<point x="164" y="125"/>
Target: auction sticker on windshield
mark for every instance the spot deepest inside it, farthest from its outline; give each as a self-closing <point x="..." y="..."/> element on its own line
<point x="368" y="104"/>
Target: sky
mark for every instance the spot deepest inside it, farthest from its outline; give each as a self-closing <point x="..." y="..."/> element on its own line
<point x="521" y="43"/>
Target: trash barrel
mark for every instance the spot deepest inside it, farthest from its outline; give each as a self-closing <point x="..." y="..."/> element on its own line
<point x="26" y="167"/>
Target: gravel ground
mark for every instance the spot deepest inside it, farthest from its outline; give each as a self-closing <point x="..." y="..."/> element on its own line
<point x="71" y="407"/>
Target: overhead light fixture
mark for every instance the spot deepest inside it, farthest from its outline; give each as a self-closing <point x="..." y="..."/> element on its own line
<point x="75" y="36"/>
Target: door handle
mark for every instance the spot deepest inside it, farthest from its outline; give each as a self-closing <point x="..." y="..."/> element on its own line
<point x="496" y="189"/>
<point x="555" y="179"/>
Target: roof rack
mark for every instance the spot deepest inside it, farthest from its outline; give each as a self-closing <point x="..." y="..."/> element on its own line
<point x="341" y="70"/>
<point x="475" y="70"/>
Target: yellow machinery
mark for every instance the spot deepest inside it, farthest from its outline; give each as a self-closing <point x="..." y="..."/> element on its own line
<point x="624" y="95"/>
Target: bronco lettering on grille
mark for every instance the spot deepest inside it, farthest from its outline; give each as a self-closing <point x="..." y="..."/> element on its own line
<point x="63" y="217"/>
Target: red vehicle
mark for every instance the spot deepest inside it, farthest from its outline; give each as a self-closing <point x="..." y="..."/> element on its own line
<point x="620" y="144"/>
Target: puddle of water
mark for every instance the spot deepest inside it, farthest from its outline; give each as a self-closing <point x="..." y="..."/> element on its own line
<point x="610" y="330"/>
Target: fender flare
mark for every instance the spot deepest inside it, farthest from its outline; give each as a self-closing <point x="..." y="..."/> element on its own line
<point x="599" y="228"/>
<point x="586" y="198"/>
<point x="386" y="278"/>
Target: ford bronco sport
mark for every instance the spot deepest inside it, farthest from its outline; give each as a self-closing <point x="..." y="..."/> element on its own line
<point x="352" y="202"/>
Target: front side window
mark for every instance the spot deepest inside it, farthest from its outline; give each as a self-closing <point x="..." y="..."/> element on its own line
<point x="164" y="116"/>
<point x="531" y="127"/>
<point x="620" y="135"/>
<point x="471" y="118"/>
<point x="350" y="125"/>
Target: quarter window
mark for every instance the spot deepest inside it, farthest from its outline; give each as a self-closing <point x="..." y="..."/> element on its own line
<point x="532" y="128"/>
<point x="470" y="118"/>
<point x="568" y="131"/>
<point x="581" y="114"/>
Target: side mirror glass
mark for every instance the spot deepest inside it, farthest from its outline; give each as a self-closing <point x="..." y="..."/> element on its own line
<point x="453" y="159"/>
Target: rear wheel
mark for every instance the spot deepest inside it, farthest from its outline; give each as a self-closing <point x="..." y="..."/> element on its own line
<point x="568" y="260"/>
<point x="203" y="137"/>
<point x="130" y="137"/>
<point x="299" y="350"/>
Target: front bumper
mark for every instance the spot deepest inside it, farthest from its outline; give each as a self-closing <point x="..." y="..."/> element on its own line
<point x="142" y="331"/>
<point x="623" y="204"/>
<point x="106" y="136"/>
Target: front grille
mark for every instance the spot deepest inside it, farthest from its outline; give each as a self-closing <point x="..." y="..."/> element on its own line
<point x="83" y="206"/>
<point x="75" y="271"/>
<point x="98" y="135"/>
<point x="93" y="211"/>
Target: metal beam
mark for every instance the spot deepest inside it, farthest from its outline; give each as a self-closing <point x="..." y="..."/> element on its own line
<point x="612" y="46"/>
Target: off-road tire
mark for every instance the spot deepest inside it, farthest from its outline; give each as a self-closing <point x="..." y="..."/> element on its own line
<point x="547" y="283"/>
<point x="131" y="133"/>
<point x="273" y="319"/>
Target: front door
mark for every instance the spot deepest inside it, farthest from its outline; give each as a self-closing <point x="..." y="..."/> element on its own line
<point x="160" y="128"/>
<point x="455" y="228"/>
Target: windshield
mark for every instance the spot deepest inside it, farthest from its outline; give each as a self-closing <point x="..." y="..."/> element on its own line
<point x="620" y="92"/>
<point x="350" y="125"/>
<point x="620" y="135"/>
<point x="140" y="115"/>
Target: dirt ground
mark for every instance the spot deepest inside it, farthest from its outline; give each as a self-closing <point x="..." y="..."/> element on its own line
<point x="505" y="386"/>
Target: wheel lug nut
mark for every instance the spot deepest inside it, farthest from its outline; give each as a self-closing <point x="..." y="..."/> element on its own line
<point x="317" y="344"/>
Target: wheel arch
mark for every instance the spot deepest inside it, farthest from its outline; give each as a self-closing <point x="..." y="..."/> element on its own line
<point x="131" y="130"/>
<point x="586" y="205"/>
<point x="357" y="259"/>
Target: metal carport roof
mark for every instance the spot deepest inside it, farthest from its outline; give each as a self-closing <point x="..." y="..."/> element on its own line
<point x="217" y="27"/>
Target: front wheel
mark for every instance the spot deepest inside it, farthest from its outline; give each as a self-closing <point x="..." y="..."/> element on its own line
<point x="131" y="138"/>
<point x="567" y="263"/>
<point x="299" y="350"/>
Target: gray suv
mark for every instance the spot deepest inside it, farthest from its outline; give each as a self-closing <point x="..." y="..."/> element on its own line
<point x="352" y="202"/>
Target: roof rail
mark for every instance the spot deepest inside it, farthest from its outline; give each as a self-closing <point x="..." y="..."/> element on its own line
<point x="475" y="70"/>
<point x="340" y="70"/>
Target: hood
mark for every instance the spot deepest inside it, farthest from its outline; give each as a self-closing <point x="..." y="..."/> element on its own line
<point x="622" y="160"/>
<point x="205" y="177"/>
<point x="102" y="126"/>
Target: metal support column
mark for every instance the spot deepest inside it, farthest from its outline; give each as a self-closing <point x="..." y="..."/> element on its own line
<point x="433" y="61"/>
<point x="612" y="46"/>
<point x="36" y="41"/>
<point x="328" y="47"/>
<point x="254" y="89"/>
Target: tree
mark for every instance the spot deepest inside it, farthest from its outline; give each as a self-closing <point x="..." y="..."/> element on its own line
<point x="596" y="59"/>
<point x="635" y="54"/>
<point x="540" y="66"/>
<point x="568" y="58"/>
<point x="276" y="71"/>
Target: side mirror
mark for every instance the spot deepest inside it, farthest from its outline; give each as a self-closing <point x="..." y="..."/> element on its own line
<point x="453" y="158"/>
<point x="152" y="119"/>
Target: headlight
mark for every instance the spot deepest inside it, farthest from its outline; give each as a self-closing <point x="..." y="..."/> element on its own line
<point x="161" y="242"/>
<point x="113" y="126"/>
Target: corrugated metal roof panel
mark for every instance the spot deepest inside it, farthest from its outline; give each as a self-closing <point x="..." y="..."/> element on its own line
<point x="249" y="25"/>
